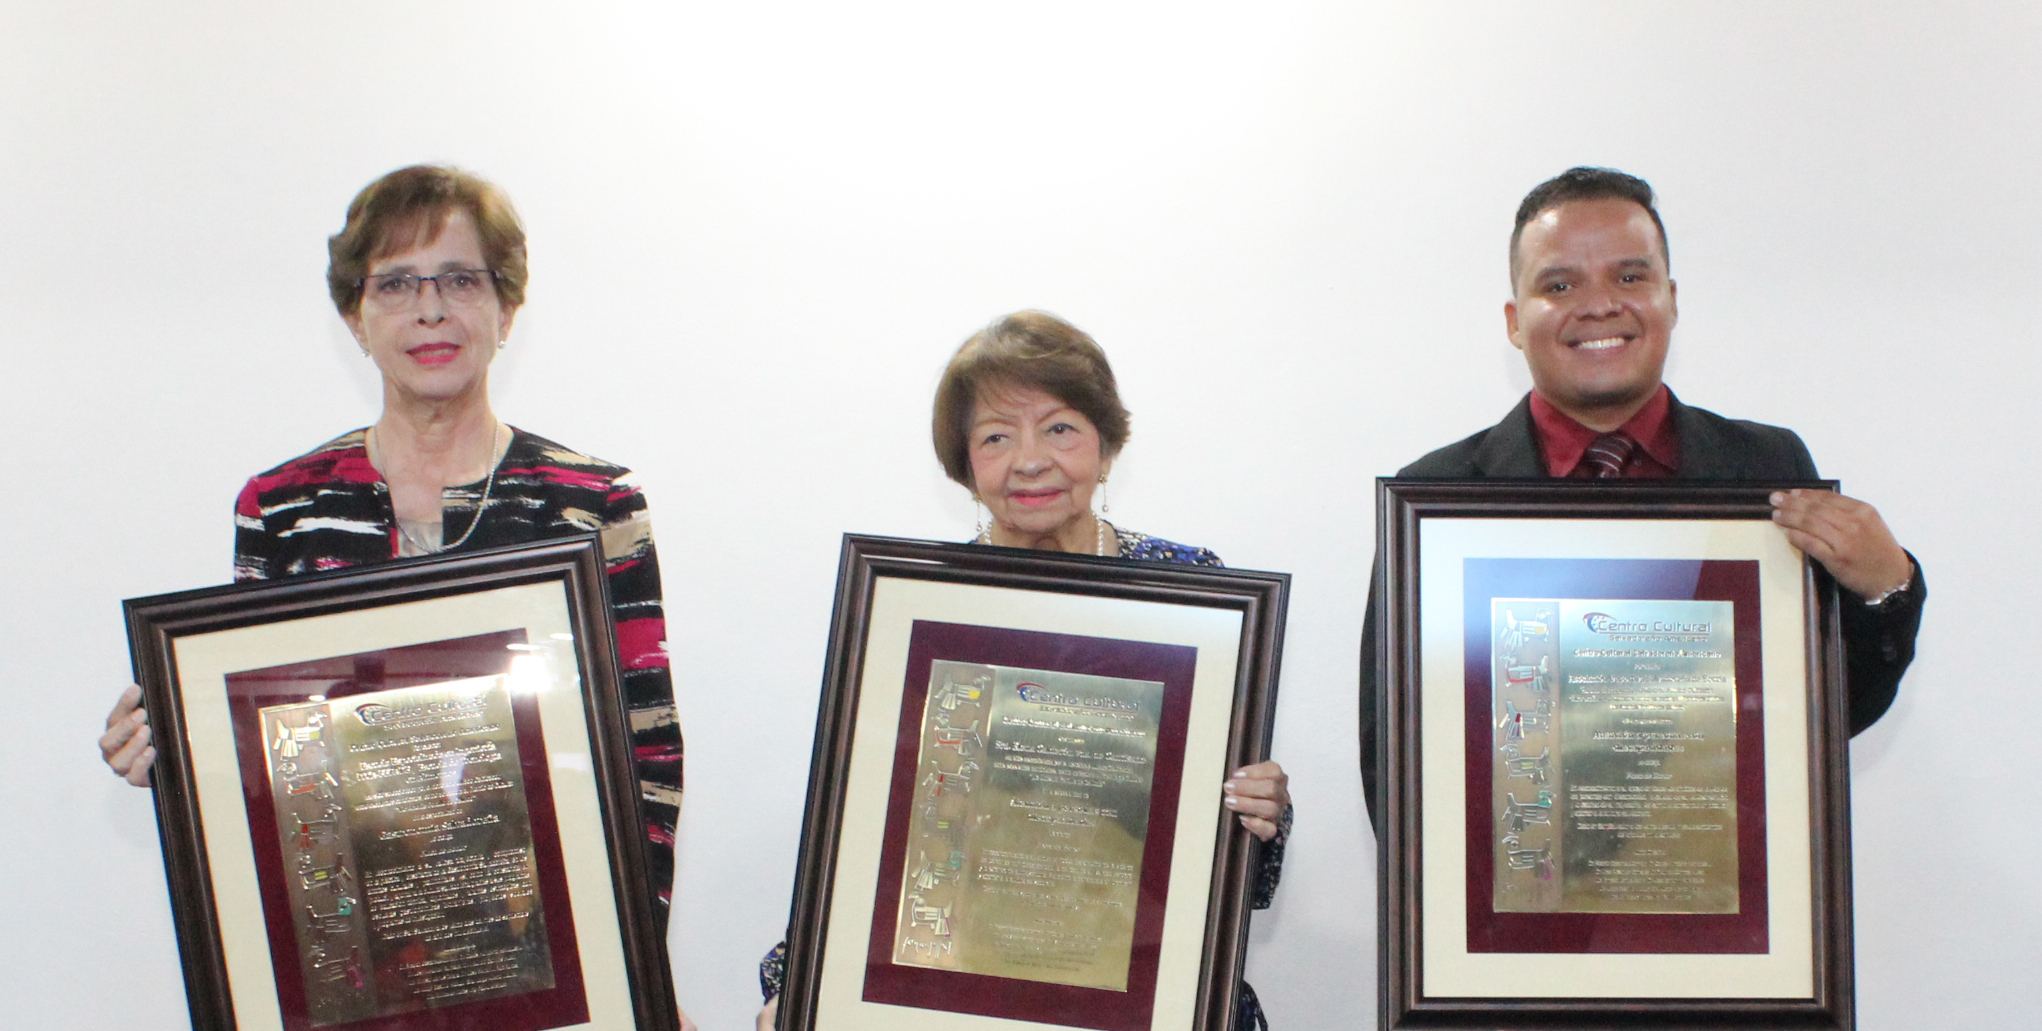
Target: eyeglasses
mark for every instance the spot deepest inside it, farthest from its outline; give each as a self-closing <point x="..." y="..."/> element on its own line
<point x="396" y="291"/>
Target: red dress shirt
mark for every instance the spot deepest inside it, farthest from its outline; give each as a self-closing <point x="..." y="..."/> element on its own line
<point x="1562" y="440"/>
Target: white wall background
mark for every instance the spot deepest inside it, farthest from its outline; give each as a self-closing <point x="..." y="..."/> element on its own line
<point x="759" y="229"/>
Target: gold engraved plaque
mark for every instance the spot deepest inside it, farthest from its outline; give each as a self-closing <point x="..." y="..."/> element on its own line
<point x="1615" y="756"/>
<point x="407" y="849"/>
<point x="1024" y="858"/>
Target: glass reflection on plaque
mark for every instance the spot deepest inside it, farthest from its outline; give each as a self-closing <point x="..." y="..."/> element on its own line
<point x="1615" y="764"/>
<point x="1029" y="824"/>
<point x="408" y="848"/>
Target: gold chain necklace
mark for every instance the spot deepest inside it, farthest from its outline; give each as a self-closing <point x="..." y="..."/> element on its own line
<point x="488" y="485"/>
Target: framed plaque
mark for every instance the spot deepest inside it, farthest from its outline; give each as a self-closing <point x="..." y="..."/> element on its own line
<point x="1613" y="760"/>
<point x="1014" y="807"/>
<point x="402" y="797"/>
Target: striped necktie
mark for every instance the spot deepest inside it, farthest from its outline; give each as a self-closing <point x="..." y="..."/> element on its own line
<point x="1606" y="455"/>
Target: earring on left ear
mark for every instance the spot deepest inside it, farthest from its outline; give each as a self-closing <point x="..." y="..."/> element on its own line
<point x="1105" y="506"/>
<point x="501" y="344"/>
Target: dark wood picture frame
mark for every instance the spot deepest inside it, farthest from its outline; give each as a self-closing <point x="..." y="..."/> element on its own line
<point x="1258" y="599"/>
<point x="635" y="960"/>
<point x="1404" y="507"/>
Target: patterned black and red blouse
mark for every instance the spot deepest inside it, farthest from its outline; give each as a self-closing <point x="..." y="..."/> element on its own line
<point x="331" y="509"/>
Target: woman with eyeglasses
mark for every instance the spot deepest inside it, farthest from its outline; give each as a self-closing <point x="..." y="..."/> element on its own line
<point x="428" y="273"/>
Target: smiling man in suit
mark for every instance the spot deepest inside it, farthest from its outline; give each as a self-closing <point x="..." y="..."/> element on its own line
<point x="1592" y="307"/>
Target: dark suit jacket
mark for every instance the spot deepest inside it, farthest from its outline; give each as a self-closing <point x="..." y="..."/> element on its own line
<point x="1878" y="642"/>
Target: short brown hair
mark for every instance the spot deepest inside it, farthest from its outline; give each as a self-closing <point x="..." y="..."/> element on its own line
<point x="409" y="208"/>
<point x="1026" y="349"/>
<point x="1585" y="183"/>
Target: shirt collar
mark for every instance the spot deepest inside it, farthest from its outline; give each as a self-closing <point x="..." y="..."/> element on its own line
<point x="1562" y="440"/>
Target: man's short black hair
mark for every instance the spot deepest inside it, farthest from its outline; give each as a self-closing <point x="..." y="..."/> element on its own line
<point x="1584" y="183"/>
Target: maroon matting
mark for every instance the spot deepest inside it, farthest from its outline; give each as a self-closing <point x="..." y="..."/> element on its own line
<point x="250" y="691"/>
<point x="1652" y="579"/>
<point x="1012" y="998"/>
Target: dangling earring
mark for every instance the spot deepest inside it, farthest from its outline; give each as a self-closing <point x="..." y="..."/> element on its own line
<point x="985" y="533"/>
<point x="1104" y="505"/>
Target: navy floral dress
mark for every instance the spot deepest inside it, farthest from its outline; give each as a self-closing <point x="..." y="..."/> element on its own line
<point x="1248" y="1014"/>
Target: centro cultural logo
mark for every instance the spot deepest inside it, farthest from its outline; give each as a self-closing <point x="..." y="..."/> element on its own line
<point x="1036" y="693"/>
<point x="376" y="714"/>
<point x="1604" y="623"/>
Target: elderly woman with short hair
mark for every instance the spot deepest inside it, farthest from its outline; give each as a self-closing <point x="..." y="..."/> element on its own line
<point x="428" y="273"/>
<point x="1028" y="418"/>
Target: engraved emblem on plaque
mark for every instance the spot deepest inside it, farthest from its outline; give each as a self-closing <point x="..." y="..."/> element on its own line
<point x="319" y="785"/>
<point x="331" y="924"/>
<point x="346" y="968"/>
<point x="311" y="832"/>
<point x="958" y="739"/>
<point x="1536" y="767"/>
<point x="1515" y="722"/>
<point x="927" y="950"/>
<point x="1539" y="859"/>
<point x="953" y="694"/>
<point x="1519" y="632"/>
<point x="927" y="876"/>
<point x="936" y="917"/>
<point x="1517" y="814"/>
<point x="940" y="783"/>
<point x="290" y="741"/>
<point x="329" y="875"/>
